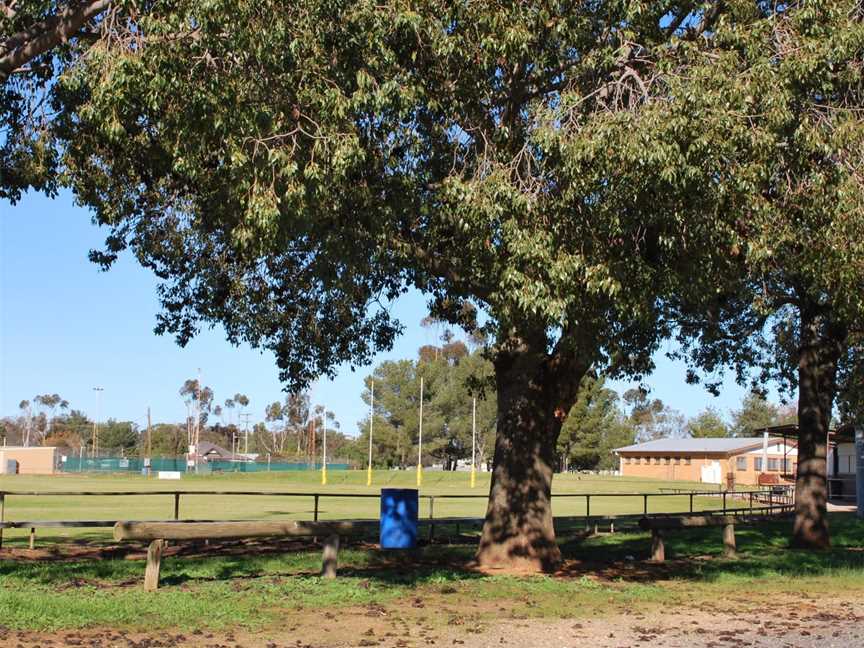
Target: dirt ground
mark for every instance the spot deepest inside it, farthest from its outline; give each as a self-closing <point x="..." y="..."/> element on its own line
<point x="778" y="622"/>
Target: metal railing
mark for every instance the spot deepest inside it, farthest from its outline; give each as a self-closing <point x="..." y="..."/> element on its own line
<point x="756" y="501"/>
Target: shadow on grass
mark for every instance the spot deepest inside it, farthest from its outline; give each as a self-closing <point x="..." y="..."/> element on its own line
<point x="692" y="554"/>
<point x="230" y="562"/>
<point x="696" y="554"/>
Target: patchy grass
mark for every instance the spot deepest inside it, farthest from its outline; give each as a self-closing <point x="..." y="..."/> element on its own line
<point x="605" y="575"/>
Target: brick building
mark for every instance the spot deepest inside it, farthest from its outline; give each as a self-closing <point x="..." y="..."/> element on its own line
<point x="37" y="460"/>
<point x="714" y="461"/>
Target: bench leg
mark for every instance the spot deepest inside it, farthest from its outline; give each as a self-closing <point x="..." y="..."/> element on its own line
<point x="658" y="551"/>
<point x="154" y="562"/>
<point x="729" y="541"/>
<point x="331" y="551"/>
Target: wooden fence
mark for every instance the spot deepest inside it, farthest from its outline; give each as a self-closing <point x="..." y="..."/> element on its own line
<point x="729" y="502"/>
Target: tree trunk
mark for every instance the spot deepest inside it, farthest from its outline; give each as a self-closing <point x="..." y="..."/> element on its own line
<point x="821" y="347"/>
<point x="518" y="530"/>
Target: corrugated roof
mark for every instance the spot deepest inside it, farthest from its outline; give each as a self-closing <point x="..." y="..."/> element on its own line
<point x="697" y="445"/>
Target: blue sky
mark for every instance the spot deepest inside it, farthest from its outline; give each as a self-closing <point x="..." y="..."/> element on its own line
<point x="66" y="327"/>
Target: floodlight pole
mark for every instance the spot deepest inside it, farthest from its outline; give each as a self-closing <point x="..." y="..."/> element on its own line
<point x="149" y="436"/>
<point x="420" y="440"/>
<point x="95" y="448"/>
<point x="371" y="416"/>
<point x="324" y="447"/>
<point x="473" y="442"/>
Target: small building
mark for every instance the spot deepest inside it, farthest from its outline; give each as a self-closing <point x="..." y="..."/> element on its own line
<point x="36" y="460"/>
<point x="208" y="451"/>
<point x="726" y="461"/>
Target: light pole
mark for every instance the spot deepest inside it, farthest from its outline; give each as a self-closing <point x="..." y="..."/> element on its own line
<point x="371" y="415"/>
<point x="95" y="448"/>
<point x="420" y="440"/>
<point x="324" y="449"/>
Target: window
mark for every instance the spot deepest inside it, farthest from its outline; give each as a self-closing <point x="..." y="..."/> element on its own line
<point x="667" y="461"/>
<point x="677" y="461"/>
<point x="757" y="464"/>
<point x="787" y="466"/>
<point x="741" y="463"/>
<point x="687" y="461"/>
<point x="773" y="465"/>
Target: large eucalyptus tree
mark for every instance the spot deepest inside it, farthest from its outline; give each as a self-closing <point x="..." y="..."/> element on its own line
<point x="790" y="305"/>
<point x="287" y="169"/>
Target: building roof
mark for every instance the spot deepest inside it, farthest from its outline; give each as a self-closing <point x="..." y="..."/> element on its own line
<point x="725" y="445"/>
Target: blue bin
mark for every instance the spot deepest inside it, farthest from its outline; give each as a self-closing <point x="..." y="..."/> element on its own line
<point x="399" y="507"/>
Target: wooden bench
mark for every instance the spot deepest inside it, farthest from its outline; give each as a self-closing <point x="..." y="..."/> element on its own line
<point x="659" y="525"/>
<point x="55" y="524"/>
<point x="156" y="533"/>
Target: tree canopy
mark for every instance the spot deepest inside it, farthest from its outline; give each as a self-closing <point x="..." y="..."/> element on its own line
<point x="39" y="41"/>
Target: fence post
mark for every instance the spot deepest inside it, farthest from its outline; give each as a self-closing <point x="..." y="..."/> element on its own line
<point x="316" y="507"/>
<point x="176" y="506"/>
<point x="645" y="504"/>
<point x="328" y="562"/>
<point x="587" y="511"/>
<point x="724" y="502"/>
<point x="751" y="501"/>
<point x="2" y="515"/>
<point x="691" y="502"/>
<point x="431" y="518"/>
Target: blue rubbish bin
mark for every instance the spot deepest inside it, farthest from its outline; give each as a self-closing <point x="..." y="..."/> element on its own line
<point x="399" y="507"/>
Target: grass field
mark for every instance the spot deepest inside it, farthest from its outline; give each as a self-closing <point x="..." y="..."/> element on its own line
<point x="264" y="589"/>
<point x="215" y="507"/>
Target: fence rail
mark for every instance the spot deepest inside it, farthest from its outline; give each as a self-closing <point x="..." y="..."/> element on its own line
<point x="134" y="465"/>
<point x="756" y="501"/>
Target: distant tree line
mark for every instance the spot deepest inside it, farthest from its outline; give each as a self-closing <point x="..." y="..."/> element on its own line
<point x="455" y="373"/>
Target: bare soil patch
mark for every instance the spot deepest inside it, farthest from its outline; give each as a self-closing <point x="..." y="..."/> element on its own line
<point x="744" y="619"/>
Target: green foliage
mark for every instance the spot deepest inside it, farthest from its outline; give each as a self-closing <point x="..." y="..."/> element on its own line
<point x="594" y="427"/>
<point x="516" y="161"/>
<point x="784" y="115"/>
<point x="118" y="435"/>
<point x="451" y="380"/>
<point x="168" y="440"/>
<point x="651" y="417"/>
<point x="708" y="424"/>
<point x="756" y="413"/>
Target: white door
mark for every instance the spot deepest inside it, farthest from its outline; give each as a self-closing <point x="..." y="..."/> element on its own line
<point x="711" y="473"/>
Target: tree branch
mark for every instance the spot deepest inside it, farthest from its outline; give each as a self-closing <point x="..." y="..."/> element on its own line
<point x="21" y="48"/>
<point x="8" y="9"/>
